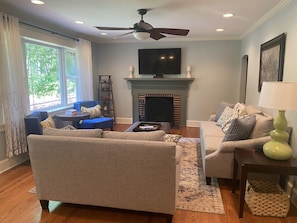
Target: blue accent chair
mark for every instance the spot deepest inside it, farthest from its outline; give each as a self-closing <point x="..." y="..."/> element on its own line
<point x="32" y="122"/>
<point x="94" y="123"/>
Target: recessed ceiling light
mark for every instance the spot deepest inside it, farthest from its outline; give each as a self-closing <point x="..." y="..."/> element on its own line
<point x="103" y="34"/>
<point x="79" y="22"/>
<point x="220" y="30"/>
<point x="37" y="2"/>
<point x="228" y="15"/>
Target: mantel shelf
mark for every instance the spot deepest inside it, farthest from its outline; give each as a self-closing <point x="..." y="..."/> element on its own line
<point x="188" y="80"/>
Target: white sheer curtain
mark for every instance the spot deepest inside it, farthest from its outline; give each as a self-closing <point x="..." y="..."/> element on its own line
<point x="14" y="87"/>
<point x="85" y="73"/>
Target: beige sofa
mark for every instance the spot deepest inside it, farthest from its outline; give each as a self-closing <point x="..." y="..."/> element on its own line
<point x="109" y="169"/>
<point x="217" y="153"/>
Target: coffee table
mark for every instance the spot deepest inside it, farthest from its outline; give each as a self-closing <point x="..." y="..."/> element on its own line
<point x="165" y="126"/>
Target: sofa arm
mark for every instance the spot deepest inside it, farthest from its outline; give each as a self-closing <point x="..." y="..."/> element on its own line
<point x="229" y="146"/>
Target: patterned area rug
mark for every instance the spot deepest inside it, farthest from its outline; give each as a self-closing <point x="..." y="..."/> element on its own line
<point x="193" y="193"/>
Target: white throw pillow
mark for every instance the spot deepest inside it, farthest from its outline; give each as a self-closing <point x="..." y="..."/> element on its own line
<point x="226" y="115"/>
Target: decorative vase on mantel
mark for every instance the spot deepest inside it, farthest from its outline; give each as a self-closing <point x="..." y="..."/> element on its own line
<point x="131" y="70"/>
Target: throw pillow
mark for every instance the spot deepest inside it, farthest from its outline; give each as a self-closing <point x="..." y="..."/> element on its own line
<point x="49" y="122"/>
<point x="240" y="128"/>
<point x="92" y="133"/>
<point x="226" y="115"/>
<point x="240" y="109"/>
<point x="94" y="111"/>
<point x="172" y="138"/>
<point x="263" y="126"/>
<point x="151" y="136"/>
<point x="68" y="127"/>
<point x="221" y="109"/>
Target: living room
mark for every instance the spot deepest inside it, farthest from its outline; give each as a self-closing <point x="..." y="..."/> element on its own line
<point x="216" y="67"/>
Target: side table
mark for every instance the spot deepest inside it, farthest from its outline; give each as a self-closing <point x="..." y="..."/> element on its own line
<point x="250" y="160"/>
<point x="75" y="119"/>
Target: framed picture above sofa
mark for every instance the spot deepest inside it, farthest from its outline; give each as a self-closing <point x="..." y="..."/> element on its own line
<point x="272" y="55"/>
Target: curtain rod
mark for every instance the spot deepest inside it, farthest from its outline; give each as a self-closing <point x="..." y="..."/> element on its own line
<point x="50" y="31"/>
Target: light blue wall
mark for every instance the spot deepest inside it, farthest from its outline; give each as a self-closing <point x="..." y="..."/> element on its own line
<point x="283" y="22"/>
<point x="215" y="67"/>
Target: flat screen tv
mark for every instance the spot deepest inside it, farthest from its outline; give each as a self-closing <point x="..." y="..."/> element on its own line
<point x="159" y="61"/>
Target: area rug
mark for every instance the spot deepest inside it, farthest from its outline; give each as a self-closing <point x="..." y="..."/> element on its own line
<point x="193" y="193"/>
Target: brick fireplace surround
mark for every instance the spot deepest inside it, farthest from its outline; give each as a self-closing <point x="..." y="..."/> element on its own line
<point x="177" y="87"/>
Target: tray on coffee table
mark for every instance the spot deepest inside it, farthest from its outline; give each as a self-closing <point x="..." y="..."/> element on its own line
<point x="147" y="126"/>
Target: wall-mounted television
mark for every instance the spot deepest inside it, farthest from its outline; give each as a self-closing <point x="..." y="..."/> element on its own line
<point x="159" y="61"/>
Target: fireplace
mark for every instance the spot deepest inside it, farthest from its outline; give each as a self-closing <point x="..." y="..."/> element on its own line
<point x="147" y="89"/>
<point x="159" y="108"/>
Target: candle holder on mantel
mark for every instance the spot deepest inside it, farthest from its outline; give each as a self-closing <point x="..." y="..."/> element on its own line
<point x="189" y="69"/>
<point x="131" y="70"/>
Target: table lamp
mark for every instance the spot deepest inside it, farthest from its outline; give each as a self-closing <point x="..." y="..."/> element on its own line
<point x="280" y="96"/>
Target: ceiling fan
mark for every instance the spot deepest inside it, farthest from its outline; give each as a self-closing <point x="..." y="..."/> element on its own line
<point x="143" y="30"/>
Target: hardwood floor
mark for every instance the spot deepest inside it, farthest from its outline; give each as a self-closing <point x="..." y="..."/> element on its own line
<point x="19" y="206"/>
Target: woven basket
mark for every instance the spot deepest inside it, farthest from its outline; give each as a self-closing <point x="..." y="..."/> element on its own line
<point x="266" y="199"/>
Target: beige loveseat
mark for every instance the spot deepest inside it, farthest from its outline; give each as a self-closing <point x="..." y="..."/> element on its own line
<point x="217" y="149"/>
<point x="109" y="169"/>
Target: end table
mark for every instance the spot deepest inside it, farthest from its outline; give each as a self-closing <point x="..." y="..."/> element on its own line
<point x="250" y="160"/>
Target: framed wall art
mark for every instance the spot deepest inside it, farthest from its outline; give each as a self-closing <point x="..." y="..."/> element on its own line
<point x="272" y="57"/>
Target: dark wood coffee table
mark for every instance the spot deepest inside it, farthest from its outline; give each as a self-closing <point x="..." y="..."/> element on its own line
<point x="165" y="126"/>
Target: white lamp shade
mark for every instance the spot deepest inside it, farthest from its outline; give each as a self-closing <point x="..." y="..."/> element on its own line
<point x="131" y="68"/>
<point x="189" y="69"/>
<point x="279" y="95"/>
<point x="141" y="35"/>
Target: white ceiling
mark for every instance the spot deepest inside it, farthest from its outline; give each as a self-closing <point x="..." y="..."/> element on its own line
<point x="201" y="17"/>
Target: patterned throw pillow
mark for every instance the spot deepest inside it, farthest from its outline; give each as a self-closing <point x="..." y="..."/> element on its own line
<point x="221" y="109"/>
<point x="226" y="115"/>
<point x="172" y="138"/>
<point x="240" y="128"/>
<point x="49" y="122"/>
<point x="94" y="111"/>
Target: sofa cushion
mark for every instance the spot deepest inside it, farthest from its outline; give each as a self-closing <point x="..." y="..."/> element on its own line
<point x="221" y="109"/>
<point x="211" y="144"/>
<point x="93" y="133"/>
<point x="251" y="110"/>
<point x="94" y="111"/>
<point x="210" y="129"/>
<point x="263" y="126"/>
<point x="49" y="122"/>
<point x="240" y="128"/>
<point x="151" y="136"/>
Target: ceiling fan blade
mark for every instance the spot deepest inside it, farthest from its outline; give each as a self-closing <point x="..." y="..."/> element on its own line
<point x="179" y="32"/>
<point x="123" y="34"/>
<point x="112" y="28"/>
<point x="154" y="34"/>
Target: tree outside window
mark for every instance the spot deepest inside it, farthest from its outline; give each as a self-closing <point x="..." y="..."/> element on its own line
<point x="52" y="76"/>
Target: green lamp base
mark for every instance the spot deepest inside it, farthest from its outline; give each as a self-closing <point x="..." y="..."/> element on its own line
<point x="277" y="150"/>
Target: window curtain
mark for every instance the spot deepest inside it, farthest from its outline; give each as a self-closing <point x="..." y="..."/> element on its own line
<point x="14" y="85"/>
<point x="85" y="74"/>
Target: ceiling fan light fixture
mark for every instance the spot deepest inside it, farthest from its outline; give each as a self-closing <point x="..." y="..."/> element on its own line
<point x="141" y="35"/>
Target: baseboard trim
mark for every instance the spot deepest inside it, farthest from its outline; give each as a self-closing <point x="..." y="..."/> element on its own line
<point x="193" y="123"/>
<point x="120" y="120"/>
<point x="9" y="163"/>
